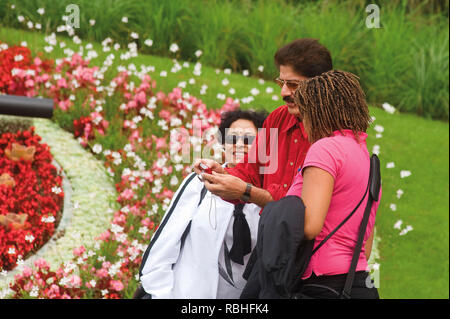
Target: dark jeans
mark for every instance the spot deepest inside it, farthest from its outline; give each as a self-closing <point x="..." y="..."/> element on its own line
<point x="330" y="287"/>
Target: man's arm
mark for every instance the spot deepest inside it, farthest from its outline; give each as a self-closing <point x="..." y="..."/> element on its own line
<point x="230" y="187"/>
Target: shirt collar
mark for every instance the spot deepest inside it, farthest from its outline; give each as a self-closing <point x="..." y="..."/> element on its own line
<point x="291" y="122"/>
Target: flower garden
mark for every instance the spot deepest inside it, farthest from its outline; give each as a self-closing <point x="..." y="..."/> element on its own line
<point x="143" y="168"/>
<point x="82" y="194"/>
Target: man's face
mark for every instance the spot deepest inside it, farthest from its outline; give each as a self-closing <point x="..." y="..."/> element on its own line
<point x="287" y="93"/>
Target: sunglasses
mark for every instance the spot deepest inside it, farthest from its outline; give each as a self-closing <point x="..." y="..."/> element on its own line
<point x="232" y="139"/>
<point x="291" y="84"/>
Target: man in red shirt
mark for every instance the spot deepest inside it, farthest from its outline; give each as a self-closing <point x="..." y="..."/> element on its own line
<point x="279" y="150"/>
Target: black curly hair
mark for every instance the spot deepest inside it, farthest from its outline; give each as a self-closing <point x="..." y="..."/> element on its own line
<point x="228" y="118"/>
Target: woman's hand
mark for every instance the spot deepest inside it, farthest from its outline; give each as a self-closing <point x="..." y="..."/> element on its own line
<point x="216" y="167"/>
<point x="227" y="186"/>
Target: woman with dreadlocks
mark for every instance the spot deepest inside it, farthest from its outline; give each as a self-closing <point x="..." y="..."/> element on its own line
<point x="332" y="181"/>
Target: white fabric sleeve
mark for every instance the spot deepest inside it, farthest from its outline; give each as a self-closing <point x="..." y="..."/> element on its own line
<point x="157" y="275"/>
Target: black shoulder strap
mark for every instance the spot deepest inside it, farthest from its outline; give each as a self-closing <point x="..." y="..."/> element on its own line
<point x="343" y="222"/>
<point x="374" y="182"/>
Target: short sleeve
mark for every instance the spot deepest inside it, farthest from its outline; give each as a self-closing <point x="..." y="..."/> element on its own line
<point x="325" y="154"/>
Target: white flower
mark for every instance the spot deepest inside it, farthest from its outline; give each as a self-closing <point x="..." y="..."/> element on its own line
<point x="393" y="207"/>
<point x="174" y="47"/>
<point x="41" y="11"/>
<point x="269" y="90"/>
<point x="91" y="22"/>
<point x="261" y="81"/>
<point x="406" y="230"/>
<point x="198" y="53"/>
<point x="182" y="84"/>
<point x="225" y="82"/>
<point x="48" y="219"/>
<point x="388" y="108"/>
<point x="174" y="181"/>
<point x="11" y="250"/>
<point x="18" y="57"/>
<point x="232" y="91"/>
<point x="390" y="165"/>
<point x="29" y="238"/>
<point x="148" y="42"/>
<point x="163" y="74"/>
<point x="245" y="73"/>
<point x="379" y="128"/>
<point x="20" y="18"/>
<point x="399" y="193"/>
<point x="221" y="96"/>
<point x="275" y="97"/>
<point x="404" y="173"/>
<point x="398" y="224"/>
<point x="260" y="68"/>
<point x="97" y="148"/>
<point x="134" y="35"/>
<point x="227" y="71"/>
<point x="125" y="19"/>
<point x="376" y="149"/>
<point x="56" y="190"/>
<point x="254" y="91"/>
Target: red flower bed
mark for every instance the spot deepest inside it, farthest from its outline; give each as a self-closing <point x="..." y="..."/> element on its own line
<point x="18" y="71"/>
<point x="36" y="195"/>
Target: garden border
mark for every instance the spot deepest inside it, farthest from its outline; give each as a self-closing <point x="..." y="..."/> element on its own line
<point x="80" y="222"/>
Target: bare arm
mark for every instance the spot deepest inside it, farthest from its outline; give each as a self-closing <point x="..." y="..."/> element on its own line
<point x="230" y="187"/>
<point x="316" y="195"/>
<point x="368" y="246"/>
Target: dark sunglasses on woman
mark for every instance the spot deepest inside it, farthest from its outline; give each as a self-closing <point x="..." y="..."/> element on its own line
<point x="232" y="139"/>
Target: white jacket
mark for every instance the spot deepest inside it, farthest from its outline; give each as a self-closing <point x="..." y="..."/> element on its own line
<point x="191" y="270"/>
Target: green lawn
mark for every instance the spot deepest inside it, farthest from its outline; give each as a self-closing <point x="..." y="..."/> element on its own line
<point x="411" y="266"/>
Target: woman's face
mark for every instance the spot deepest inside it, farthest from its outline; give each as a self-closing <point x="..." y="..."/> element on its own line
<point x="238" y="139"/>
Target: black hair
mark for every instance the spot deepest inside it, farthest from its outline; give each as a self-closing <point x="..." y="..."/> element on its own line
<point x="305" y="56"/>
<point x="228" y="118"/>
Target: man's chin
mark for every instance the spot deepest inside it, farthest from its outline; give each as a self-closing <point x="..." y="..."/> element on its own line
<point x="293" y="109"/>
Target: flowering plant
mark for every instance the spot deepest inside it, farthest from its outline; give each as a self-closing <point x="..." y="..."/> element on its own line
<point x="35" y="193"/>
<point x="18" y="70"/>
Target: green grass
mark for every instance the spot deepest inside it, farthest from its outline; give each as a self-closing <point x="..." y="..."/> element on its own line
<point x="412" y="266"/>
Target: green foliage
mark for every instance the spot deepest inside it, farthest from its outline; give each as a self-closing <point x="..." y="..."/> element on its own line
<point x="405" y="62"/>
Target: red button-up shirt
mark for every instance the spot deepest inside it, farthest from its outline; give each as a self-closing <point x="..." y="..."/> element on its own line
<point x="276" y="171"/>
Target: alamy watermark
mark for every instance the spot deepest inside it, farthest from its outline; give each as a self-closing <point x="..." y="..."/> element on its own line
<point x="373" y="19"/>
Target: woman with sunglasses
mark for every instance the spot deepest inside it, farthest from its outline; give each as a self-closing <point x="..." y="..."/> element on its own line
<point x="203" y="243"/>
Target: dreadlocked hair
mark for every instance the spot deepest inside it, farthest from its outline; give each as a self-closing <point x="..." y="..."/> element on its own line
<point x="332" y="101"/>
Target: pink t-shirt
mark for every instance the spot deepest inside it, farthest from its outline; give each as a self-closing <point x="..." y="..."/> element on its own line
<point x="348" y="162"/>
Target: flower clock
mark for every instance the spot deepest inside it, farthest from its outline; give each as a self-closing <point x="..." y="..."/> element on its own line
<point x="31" y="196"/>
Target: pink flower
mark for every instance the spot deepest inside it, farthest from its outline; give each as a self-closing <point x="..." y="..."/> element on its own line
<point x="102" y="273"/>
<point x="141" y="98"/>
<point x="75" y="281"/>
<point x="116" y="285"/>
<point x="27" y="271"/>
<point x="41" y="263"/>
<point x="161" y="143"/>
<point x="62" y="83"/>
<point x="53" y="292"/>
<point x="79" y="251"/>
